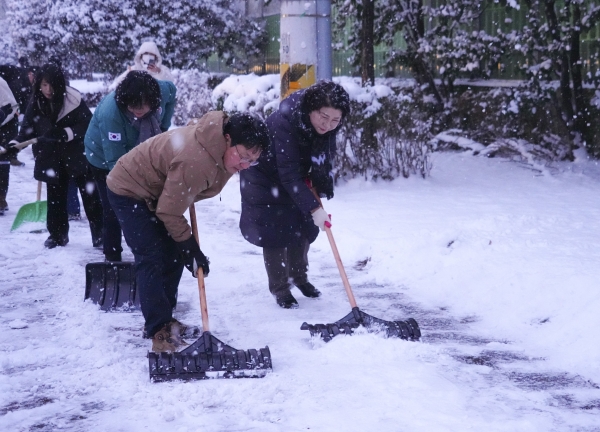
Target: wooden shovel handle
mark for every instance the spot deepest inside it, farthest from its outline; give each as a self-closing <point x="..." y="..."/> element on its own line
<point x="200" y="274"/>
<point x="39" y="191"/>
<point x="338" y="260"/>
<point x="20" y="146"/>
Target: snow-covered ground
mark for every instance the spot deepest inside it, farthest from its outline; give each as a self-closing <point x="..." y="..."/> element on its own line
<point x="500" y="266"/>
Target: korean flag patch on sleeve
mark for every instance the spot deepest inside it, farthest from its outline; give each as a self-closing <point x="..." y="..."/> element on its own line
<point x="114" y="136"/>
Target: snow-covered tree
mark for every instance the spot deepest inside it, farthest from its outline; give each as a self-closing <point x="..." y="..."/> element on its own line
<point x="550" y="45"/>
<point x="106" y="33"/>
<point x="442" y="40"/>
<point x="354" y="25"/>
<point x="96" y="35"/>
<point x="31" y="29"/>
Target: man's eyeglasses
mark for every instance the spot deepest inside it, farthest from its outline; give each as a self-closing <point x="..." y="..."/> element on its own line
<point x="251" y="162"/>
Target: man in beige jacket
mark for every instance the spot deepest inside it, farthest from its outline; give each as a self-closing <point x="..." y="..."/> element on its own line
<point x="152" y="186"/>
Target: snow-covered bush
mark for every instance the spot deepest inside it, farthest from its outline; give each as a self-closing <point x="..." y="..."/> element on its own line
<point x="194" y="94"/>
<point x="508" y="115"/>
<point x="402" y="132"/>
<point x="258" y="95"/>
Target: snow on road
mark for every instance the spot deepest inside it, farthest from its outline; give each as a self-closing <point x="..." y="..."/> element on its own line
<point x="498" y="264"/>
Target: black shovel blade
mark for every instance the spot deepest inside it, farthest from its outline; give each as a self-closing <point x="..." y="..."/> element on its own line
<point x="207" y="358"/>
<point x="112" y="286"/>
<point x="407" y="330"/>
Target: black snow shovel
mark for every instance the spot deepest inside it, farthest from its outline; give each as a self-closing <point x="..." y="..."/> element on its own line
<point x="408" y="330"/>
<point x="208" y="357"/>
<point x="112" y="286"/>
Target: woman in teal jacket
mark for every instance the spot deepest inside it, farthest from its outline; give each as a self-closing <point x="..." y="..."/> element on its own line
<point x="140" y="108"/>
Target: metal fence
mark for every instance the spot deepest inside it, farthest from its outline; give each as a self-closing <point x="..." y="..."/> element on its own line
<point x="494" y="17"/>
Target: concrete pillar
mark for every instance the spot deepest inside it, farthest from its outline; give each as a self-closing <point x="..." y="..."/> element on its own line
<point x="298" y="31"/>
<point x="324" y="63"/>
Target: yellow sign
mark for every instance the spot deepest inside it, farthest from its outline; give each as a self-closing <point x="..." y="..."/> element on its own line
<point x="296" y="77"/>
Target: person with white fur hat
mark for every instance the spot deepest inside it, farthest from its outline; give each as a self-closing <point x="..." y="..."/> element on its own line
<point x="147" y="59"/>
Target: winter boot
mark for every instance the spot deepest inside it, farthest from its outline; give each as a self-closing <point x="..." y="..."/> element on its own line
<point x="286" y="300"/>
<point x="309" y="290"/>
<point x="3" y="205"/>
<point x="186" y="331"/>
<point x="168" y="338"/>
<point x="51" y="243"/>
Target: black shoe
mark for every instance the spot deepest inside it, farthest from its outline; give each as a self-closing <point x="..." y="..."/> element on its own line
<point x="286" y="300"/>
<point x="309" y="290"/>
<point x="3" y="204"/>
<point x="113" y="257"/>
<point x="51" y="243"/>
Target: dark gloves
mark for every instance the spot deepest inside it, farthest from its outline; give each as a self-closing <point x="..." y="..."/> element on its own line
<point x="5" y="111"/>
<point x="193" y="258"/>
<point x="11" y="150"/>
<point x="56" y="134"/>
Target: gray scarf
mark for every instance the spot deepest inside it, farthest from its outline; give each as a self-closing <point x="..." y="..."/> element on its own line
<point x="148" y="126"/>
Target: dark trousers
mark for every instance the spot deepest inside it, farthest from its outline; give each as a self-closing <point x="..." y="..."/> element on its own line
<point x="4" y="175"/>
<point x="111" y="231"/>
<point x="286" y="264"/>
<point x="7" y="132"/>
<point x="72" y="200"/>
<point x="158" y="264"/>
<point x="58" y="218"/>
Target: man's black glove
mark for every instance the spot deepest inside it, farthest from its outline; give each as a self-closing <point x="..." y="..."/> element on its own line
<point x="193" y="258"/>
<point x="5" y="111"/>
<point x="56" y="134"/>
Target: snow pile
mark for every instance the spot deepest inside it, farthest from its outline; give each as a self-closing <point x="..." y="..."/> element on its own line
<point x="248" y="93"/>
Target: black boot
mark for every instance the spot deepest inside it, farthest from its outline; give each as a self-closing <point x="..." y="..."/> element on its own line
<point x="309" y="290"/>
<point x="3" y="204"/>
<point x="286" y="300"/>
<point x="51" y="243"/>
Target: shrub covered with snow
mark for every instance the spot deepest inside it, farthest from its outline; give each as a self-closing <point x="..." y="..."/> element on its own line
<point x="394" y="125"/>
<point x="402" y="132"/>
<point x="400" y="126"/>
<point x="194" y="94"/>
<point x="258" y="95"/>
<point x="502" y="116"/>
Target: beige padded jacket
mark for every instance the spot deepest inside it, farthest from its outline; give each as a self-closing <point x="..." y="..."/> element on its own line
<point x="174" y="169"/>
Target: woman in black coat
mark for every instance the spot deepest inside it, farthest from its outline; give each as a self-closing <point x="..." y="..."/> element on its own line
<point x="58" y="117"/>
<point x="279" y="211"/>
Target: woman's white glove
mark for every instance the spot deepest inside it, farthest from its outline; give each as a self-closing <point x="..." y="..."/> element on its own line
<point x="321" y="218"/>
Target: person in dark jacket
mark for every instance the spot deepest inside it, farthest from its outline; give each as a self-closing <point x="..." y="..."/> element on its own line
<point x="8" y="130"/>
<point x="280" y="212"/>
<point x="20" y="85"/>
<point x="140" y="108"/>
<point x="58" y="117"/>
